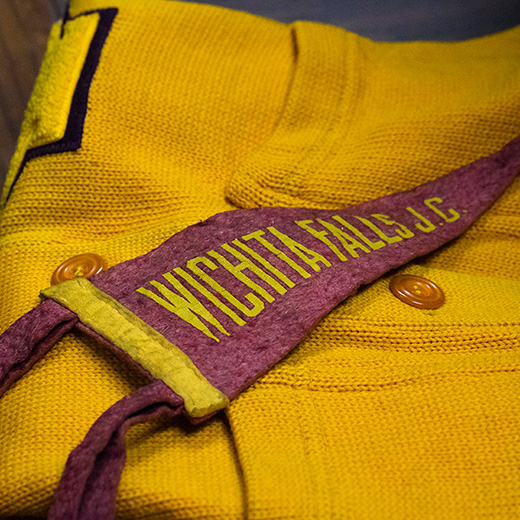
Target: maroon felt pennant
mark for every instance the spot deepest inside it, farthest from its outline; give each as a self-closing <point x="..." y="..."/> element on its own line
<point x="256" y="281"/>
<point x="236" y="292"/>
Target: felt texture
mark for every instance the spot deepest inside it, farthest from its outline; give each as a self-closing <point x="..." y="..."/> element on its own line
<point x="247" y="352"/>
<point x="30" y="338"/>
<point x="89" y="484"/>
<point x="250" y="348"/>
<point x="125" y="330"/>
<point x="382" y="410"/>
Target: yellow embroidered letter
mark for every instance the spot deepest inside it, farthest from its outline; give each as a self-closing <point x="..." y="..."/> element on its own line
<point x="373" y="245"/>
<point x="258" y="235"/>
<point x="454" y="214"/>
<point x="210" y="296"/>
<point x="185" y="306"/>
<point x="307" y="255"/>
<point x="245" y="263"/>
<point x="402" y="231"/>
<point x="350" y="244"/>
<point x="270" y="267"/>
<point x="321" y="235"/>
<point x="379" y="232"/>
<point x="258" y="304"/>
<point x="427" y="226"/>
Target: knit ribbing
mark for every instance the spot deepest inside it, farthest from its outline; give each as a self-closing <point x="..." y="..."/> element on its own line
<point x="384" y="410"/>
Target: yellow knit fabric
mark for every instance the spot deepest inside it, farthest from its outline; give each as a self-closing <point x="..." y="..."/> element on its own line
<point x="384" y="411"/>
<point x="164" y="360"/>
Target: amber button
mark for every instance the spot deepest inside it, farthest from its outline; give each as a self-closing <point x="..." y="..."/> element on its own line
<point x="417" y="291"/>
<point x="84" y="265"/>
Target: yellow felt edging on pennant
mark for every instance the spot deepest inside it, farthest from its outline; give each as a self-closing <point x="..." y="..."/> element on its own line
<point x="142" y="343"/>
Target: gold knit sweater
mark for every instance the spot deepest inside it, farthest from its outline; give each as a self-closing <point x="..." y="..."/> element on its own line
<point x="385" y="410"/>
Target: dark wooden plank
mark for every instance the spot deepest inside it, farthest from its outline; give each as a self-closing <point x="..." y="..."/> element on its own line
<point x="16" y="72"/>
<point x="23" y="35"/>
<point x="34" y="20"/>
<point x="58" y="7"/>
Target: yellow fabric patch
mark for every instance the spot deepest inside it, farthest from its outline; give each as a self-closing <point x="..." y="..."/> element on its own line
<point x="142" y="343"/>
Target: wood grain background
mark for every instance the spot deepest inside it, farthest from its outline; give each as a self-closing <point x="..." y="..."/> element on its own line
<point x="24" y="28"/>
<point x="25" y="24"/>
